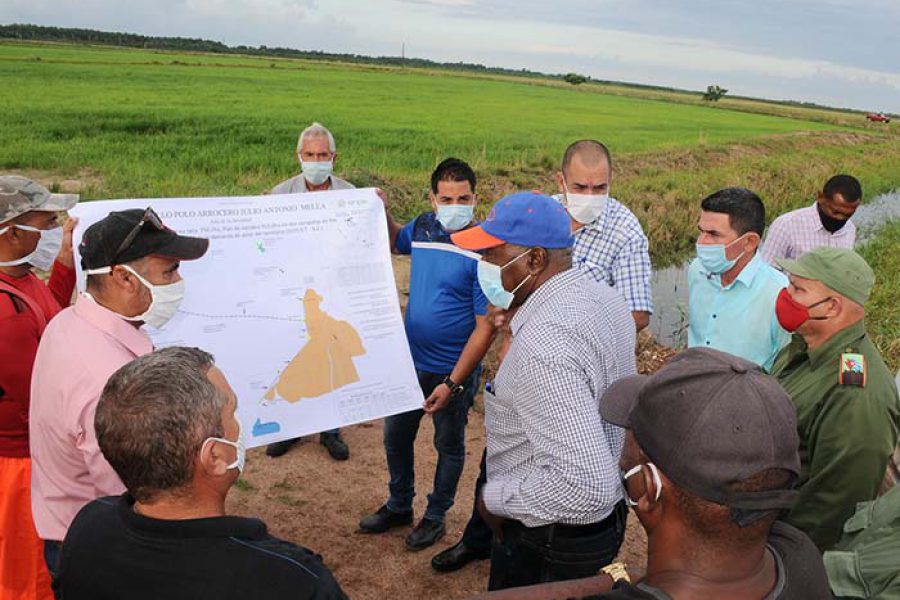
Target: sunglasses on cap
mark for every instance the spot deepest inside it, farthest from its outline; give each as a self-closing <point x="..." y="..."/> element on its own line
<point x="150" y="217"/>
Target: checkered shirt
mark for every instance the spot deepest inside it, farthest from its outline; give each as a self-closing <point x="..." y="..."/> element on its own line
<point x="614" y="250"/>
<point x="800" y="231"/>
<point x="551" y="458"/>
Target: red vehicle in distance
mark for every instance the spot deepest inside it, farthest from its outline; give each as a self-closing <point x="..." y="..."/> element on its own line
<point x="878" y="118"/>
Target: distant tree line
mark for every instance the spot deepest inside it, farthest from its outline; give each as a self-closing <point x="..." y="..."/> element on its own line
<point x="133" y="40"/>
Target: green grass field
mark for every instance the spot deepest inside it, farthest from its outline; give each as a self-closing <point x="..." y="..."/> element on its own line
<point x="138" y="123"/>
<point x="163" y="124"/>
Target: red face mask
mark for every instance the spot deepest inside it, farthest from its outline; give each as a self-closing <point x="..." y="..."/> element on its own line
<point x="791" y="314"/>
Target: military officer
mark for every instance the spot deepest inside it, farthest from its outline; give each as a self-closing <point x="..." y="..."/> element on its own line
<point x="848" y="411"/>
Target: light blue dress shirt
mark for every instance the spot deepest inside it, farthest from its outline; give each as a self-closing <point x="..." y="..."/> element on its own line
<point x="738" y="319"/>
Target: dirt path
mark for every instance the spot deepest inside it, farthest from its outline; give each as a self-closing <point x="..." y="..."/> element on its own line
<point x="314" y="501"/>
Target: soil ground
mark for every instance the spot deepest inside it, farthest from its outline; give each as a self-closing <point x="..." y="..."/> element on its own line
<point x="309" y="499"/>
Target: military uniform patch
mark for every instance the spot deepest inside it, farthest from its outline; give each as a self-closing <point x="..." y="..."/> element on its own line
<point x="853" y="369"/>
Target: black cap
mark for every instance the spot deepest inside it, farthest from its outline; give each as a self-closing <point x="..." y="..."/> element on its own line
<point x="708" y="420"/>
<point x="102" y="240"/>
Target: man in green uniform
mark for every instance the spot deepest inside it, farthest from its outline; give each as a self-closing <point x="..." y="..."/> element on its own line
<point x="848" y="411"/>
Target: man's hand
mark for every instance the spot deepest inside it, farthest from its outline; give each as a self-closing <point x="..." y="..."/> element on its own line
<point x="66" y="255"/>
<point x="438" y="400"/>
<point x="383" y="196"/>
<point x="499" y="317"/>
<point x="493" y="521"/>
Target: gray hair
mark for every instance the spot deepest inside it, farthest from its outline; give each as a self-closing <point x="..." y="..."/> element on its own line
<point x="154" y="415"/>
<point x="313" y="131"/>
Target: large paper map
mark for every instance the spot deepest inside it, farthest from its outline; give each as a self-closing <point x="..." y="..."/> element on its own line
<point x="296" y="299"/>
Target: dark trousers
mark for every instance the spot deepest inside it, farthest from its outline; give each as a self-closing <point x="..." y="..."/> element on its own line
<point x="449" y="440"/>
<point x="530" y="555"/>
<point x="52" y="550"/>
<point x="478" y="535"/>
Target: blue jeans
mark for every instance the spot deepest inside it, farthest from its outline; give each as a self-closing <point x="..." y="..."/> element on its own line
<point x="449" y="440"/>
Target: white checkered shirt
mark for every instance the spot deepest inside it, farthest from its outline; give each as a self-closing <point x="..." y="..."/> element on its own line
<point x="614" y="250"/>
<point x="551" y="458"/>
<point x="800" y="231"/>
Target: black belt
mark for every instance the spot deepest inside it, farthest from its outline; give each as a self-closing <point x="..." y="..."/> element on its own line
<point x="559" y="530"/>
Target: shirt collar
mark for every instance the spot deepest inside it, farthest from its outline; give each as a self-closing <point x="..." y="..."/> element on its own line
<point x="748" y="273"/>
<point x="133" y="338"/>
<point x="189" y="528"/>
<point x="546" y="291"/>
<point x="843" y="339"/>
<point x="816" y="223"/>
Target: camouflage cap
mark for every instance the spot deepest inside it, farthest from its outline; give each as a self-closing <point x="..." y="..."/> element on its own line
<point x="19" y="195"/>
<point x="840" y="269"/>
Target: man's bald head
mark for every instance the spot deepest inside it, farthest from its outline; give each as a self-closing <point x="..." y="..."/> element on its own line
<point x="591" y="153"/>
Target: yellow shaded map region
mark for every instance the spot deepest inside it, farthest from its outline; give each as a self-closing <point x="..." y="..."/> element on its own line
<point x="325" y="363"/>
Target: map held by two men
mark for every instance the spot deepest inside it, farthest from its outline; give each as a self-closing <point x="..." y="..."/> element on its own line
<point x="296" y="300"/>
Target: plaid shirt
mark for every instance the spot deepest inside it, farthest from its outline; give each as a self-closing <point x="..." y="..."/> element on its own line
<point x="800" y="231"/>
<point x="614" y="250"/>
<point x="551" y="458"/>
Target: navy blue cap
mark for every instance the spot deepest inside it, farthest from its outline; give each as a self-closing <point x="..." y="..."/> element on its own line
<point x="523" y="219"/>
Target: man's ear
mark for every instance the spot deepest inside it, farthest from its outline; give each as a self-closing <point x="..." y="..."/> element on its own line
<point x="433" y="199"/>
<point x="124" y="279"/>
<point x="213" y="460"/>
<point x="561" y="182"/>
<point x="751" y="242"/>
<point x="538" y="260"/>
<point x="334" y="157"/>
<point x="836" y="307"/>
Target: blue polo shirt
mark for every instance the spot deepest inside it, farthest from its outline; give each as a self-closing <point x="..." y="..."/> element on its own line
<point x="444" y="294"/>
<point x="738" y="319"/>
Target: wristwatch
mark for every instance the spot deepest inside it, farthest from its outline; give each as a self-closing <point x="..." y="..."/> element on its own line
<point x="617" y="571"/>
<point x="455" y="388"/>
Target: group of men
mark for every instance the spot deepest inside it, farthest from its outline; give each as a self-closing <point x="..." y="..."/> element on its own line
<point x="742" y="459"/>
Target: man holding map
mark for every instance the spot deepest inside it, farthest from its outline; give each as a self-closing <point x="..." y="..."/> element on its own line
<point x="448" y="335"/>
<point x="316" y="153"/>
<point x="132" y="262"/>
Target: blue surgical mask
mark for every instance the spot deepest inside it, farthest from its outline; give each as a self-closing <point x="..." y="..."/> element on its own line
<point x="713" y="258"/>
<point x="490" y="278"/>
<point x="317" y="172"/>
<point x="455" y="216"/>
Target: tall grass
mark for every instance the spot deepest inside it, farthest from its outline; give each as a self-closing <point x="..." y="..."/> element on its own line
<point x="882" y="310"/>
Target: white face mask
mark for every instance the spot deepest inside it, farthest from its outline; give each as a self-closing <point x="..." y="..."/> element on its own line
<point x="165" y="299"/>
<point x="47" y="249"/>
<point x="584" y="208"/>
<point x="240" y="448"/>
<point x="317" y="172"/>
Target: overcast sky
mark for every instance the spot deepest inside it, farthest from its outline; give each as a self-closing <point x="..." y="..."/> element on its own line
<point x="837" y="52"/>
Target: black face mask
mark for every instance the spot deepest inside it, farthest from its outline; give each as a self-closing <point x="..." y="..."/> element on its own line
<point x="830" y="223"/>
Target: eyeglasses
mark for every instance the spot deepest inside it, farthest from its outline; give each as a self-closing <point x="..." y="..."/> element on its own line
<point x="150" y="217"/>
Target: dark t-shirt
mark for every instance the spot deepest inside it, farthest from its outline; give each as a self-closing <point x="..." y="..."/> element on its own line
<point x="801" y="574"/>
<point x="111" y="552"/>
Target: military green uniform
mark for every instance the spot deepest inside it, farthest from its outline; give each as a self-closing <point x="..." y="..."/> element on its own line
<point x="864" y="563"/>
<point x="848" y="418"/>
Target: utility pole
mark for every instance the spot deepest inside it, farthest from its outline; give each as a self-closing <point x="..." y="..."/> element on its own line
<point x="403" y="51"/>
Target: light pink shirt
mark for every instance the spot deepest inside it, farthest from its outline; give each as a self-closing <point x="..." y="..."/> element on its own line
<point x="800" y="231"/>
<point x="82" y="346"/>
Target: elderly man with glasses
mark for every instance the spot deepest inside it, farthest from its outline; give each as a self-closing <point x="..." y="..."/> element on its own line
<point x="131" y="260"/>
